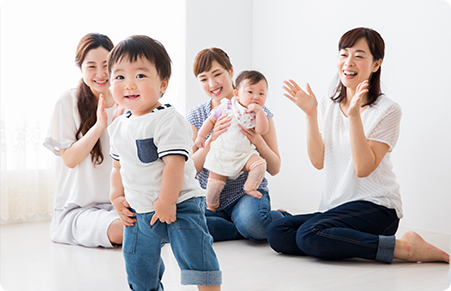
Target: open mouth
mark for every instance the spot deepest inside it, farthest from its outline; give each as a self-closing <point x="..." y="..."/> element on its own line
<point x="101" y="82"/>
<point x="349" y="73"/>
<point x="217" y="91"/>
<point x="131" y="97"/>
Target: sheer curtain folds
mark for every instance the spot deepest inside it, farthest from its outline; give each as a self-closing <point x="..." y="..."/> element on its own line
<point x="37" y="65"/>
<point x="27" y="186"/>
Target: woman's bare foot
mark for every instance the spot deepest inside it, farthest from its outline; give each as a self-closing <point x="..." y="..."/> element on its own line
<point x="412" y="247"/>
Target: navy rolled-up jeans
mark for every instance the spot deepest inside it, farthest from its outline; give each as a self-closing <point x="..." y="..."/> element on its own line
<point x="359" y="229"/>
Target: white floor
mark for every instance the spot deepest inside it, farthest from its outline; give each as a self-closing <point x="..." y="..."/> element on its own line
<point x="30" y="261"/>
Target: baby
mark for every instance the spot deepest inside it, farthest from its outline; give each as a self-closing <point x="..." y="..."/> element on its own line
<point x="232" y="153"/>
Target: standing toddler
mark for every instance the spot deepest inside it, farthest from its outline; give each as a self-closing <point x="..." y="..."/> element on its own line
<point x="153" y="173"/>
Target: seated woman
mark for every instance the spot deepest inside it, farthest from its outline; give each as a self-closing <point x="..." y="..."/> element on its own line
<point x="83" y="212"/>
<point x="352" y="135"/>
<point x="238" y="215"/>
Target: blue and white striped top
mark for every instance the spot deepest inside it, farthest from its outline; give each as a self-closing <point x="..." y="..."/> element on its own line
<point x="233" y="189"/>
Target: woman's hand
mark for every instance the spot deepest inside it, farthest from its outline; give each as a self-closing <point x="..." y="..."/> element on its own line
<point x="118" y="111"/>
<point x="102" y="117"/>
<point x="251" y="135"/>
<point x="356" y="101"/>
<point x="80" y="149"/>
<point x="123" y="209"/>
<point x="306" y="101"/>
<point x="220" y="126"/>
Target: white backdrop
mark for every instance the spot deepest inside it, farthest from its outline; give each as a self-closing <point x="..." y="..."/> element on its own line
<point x="284" y="39"/>
<point x="299" y="39"/>
<point x="38" y="44"/>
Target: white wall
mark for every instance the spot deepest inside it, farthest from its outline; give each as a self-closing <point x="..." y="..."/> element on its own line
<point x="284" y="39"/>
<point x="45" y="34"/>
<point x="299" y="39"/>
<point x="217" y="23"/>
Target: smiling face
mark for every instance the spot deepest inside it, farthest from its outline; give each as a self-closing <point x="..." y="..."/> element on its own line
<point x="94" y="71"/>
<point x="137" y="85"/>
<point x="217" y="82"/>
<point x="252" y="93"/>
<point x="355" y="64"/>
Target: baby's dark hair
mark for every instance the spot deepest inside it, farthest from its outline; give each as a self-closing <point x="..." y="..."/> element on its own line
<point x="142" y="46"/>
<point x="252" y="76"/>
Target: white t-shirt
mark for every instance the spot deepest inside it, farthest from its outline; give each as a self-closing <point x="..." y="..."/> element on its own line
<point x="380" y="123"/>
<point x="86" y="184"/>
<point x="140" y="143"/>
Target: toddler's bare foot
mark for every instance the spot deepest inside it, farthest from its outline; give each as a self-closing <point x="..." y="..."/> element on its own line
<point x="412" y="247"/>
<point x="254" y="193"/>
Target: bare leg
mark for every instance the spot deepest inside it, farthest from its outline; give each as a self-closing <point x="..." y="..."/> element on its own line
<point x="115" y="232"/>
<point x="412" y="247"/>
<point x="256" y="166"/>
<point x="209" y="288"/>
<point x="215" y="185"/>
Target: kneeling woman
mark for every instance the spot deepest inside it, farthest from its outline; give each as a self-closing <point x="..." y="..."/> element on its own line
<point x="351" y="136"/>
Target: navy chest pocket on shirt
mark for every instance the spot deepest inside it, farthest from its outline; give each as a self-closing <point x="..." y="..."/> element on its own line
<point x="147" y="150"/>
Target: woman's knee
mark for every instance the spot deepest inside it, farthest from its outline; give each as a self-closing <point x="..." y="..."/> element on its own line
<point x="251" y="216"/>
<point x="115" y="232"/>
<point x="251" y="226"/>
<point x="308" y="240"/>
<point x="315" y="241"/>
<point x="281" y="234"/>
<point x="275" y="233"/>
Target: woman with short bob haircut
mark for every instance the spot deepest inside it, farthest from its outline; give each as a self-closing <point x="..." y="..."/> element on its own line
<point x="239" y="215"/>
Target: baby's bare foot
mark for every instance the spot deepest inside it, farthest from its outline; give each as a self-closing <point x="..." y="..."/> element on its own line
<point x="254" y="193"/>
<point x="412" y="247"/>
<point x="212" y="208"/>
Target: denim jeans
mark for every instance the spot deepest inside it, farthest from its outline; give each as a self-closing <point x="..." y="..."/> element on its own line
<point x="355" y="229"/>
<point x="190" y="242"/>
<point x="246" y="218"/>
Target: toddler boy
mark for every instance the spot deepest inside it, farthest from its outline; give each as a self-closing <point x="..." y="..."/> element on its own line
<point x="153" y="173"/>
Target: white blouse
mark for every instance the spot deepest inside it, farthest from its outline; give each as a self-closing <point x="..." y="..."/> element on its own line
<point x="86" y="184"/>
<point x="381" y="123"/>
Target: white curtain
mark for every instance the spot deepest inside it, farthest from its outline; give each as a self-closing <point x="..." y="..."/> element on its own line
<point x="27" y="185"/>
<point x="37" y="65"/>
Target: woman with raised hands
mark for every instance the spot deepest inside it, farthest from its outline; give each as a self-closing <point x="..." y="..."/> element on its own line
<point x="351" y="137"/>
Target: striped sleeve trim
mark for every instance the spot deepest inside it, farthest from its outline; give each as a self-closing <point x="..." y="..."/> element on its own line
<point x="179" y="152"/>
<point x="114" y="156"/>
